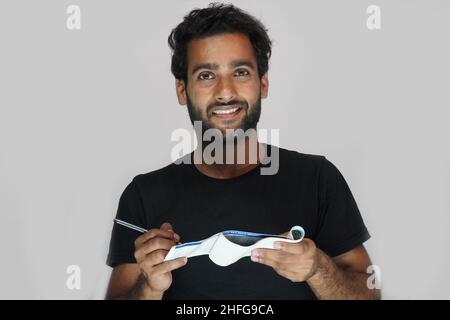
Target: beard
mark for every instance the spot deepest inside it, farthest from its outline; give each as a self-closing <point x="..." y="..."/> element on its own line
<point x="249" y="121"/>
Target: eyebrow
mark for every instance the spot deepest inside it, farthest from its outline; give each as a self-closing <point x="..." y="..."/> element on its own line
<point x="214" y="66"/>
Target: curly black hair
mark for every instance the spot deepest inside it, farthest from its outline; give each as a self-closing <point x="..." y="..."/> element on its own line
<point x="218" y="18"/>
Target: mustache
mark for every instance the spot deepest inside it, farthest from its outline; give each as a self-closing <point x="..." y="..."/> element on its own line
<point x="241" y="104"/>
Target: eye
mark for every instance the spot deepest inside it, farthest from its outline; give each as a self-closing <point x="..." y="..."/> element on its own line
<point x="242" y="73"/>
<point x="206" y="76"/>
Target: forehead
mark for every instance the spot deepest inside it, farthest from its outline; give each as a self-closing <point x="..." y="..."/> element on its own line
<point x="219" y="49"/>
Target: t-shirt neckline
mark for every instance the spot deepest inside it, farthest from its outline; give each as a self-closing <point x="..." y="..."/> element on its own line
<point x="197" y="172"/>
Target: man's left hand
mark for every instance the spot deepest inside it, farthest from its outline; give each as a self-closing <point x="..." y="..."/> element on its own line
<point x="294" y="261"/>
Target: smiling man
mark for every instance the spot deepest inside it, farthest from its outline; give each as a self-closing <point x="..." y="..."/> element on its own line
<point x="220" y="63"/>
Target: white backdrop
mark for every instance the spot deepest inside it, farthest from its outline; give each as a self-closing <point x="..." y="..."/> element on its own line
<point x="84" y="111"/>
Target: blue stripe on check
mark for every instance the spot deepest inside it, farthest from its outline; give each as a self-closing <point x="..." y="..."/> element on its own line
<point x="251" y="234"/>
<point x="188" y="244"/>
<point x="245" y="233"/>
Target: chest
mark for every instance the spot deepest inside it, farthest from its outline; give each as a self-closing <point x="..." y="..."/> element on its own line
<point x="198" y="211"/>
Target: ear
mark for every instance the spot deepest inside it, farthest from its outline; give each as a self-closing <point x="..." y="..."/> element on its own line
<point x="264" y="86"/>
<point x="180" y="88"/>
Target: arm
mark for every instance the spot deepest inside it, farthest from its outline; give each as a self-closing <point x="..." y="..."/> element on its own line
<point x="151" y="276"/>
<point x="343" y="277"/>
<point x="127" y="283"/>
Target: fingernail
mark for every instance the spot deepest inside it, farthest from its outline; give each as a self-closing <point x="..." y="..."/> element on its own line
<point x="277" y="245"/>
<point x="254" y="258"/>
<point x="184" y="259"/>
<point x="176" y="237"/>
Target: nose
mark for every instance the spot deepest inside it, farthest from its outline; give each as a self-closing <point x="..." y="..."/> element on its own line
<point x="225" y="90"/>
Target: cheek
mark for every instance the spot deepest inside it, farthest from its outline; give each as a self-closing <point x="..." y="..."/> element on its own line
<point x="200" y="100"/>
<point x="250" y="91"/>
<point x="251" y="97"/>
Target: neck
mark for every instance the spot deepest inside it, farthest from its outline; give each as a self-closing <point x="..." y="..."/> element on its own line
<point x="230" y="159"/>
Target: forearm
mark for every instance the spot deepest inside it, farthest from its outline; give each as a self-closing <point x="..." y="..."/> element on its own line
<point x="140" y="291"/>
<point x="331" y="282"/>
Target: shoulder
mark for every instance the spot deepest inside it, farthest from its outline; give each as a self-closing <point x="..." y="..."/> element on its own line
<point x="292" y="161"/>
<point x="158" y="177"/>
<point x="293" y="155"/>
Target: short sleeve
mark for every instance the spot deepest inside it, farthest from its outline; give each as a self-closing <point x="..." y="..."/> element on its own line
<point x="131" y="210"/>
<point x="341" y="226"/>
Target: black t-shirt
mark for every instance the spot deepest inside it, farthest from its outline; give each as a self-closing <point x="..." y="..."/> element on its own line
<point x="308" y="190"/>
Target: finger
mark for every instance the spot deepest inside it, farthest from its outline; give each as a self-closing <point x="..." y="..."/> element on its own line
<point x="157" y="244"/>
<point x="294" y="248"/>
<point x="154" y="258"/>
<point x="285" y="234"/>
<point x="270" y="257"/>
<point x="168" y="266"/>
<point x="303" y="247"/>
<point x="166" y="226"/>
<point x="153" y="245"/>
<point x="152" y="233"/>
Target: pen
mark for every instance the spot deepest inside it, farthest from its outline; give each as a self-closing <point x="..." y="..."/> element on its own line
<point x="132" y="226"/>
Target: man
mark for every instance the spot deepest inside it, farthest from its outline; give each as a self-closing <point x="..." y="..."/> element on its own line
<point x="220" y="63"/>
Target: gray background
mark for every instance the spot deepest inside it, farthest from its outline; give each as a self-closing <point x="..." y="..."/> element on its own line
<point x="83" y="112"/>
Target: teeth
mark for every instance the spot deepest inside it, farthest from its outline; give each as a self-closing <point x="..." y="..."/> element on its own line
<point x="225" y="111"/>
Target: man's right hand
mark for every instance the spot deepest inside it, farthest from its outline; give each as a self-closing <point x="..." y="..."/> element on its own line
<point x="150" y="250"/>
